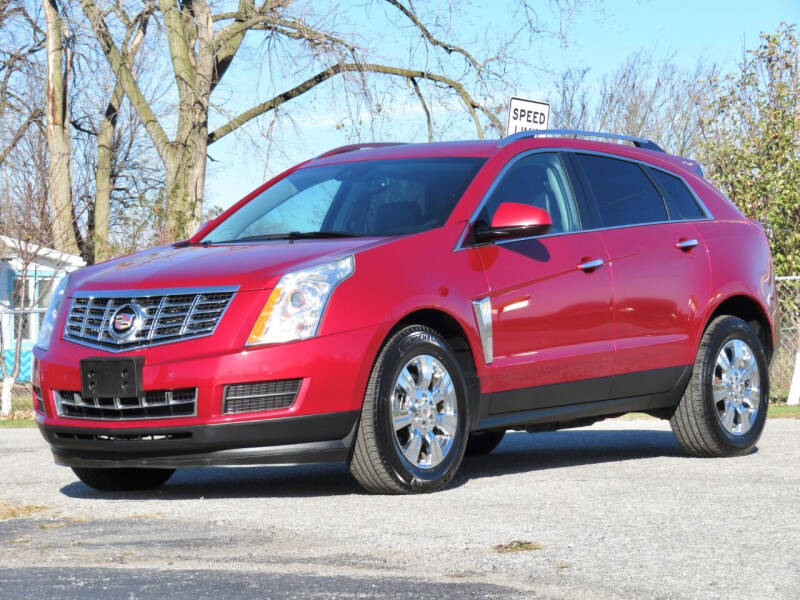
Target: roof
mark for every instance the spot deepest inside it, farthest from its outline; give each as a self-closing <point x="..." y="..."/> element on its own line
<point x="10" y="249"/>
<point x="642" y="149"/>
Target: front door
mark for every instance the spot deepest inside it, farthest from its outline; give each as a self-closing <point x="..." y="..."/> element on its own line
<point x="551" y="297"/>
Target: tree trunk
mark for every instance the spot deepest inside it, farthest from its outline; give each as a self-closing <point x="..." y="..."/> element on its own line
<point x="57" y="131"/>
<point x="186" y="175"/>
<point x="5" y="405"/>
<point x="104" y="183"/>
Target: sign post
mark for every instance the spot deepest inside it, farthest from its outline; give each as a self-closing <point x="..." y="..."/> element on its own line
<point x="527" y="115"/>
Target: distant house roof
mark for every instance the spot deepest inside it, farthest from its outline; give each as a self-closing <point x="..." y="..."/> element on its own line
<point x="10" y="250"/>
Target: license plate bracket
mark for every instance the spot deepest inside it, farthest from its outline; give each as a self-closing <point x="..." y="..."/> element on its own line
<point x="111" y="377"/>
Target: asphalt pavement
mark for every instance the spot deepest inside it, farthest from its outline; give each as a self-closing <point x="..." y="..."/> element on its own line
<point x="611" y="511"/>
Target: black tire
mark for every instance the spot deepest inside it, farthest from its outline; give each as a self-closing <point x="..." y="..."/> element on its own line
<point x="695" y="422"/>
<point x="123" y="480"/>
<point x="377" y="462"/>
<point x="481" y="443"/>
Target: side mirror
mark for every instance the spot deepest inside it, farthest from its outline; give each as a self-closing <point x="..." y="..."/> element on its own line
<point x="514" y="220"/>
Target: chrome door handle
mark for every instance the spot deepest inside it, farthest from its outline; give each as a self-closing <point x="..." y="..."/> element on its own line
<point x="591" y="265"/>
<point x="686" y="244"/>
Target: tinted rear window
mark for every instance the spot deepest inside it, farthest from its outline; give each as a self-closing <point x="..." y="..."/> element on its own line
<point x="624" y="194"/>
<point x="680" y="202"/>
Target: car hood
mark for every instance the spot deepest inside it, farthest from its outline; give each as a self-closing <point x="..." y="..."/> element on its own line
<point x="250" y="266"/>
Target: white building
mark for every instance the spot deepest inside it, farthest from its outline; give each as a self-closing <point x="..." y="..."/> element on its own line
<point x="25" y="296"/>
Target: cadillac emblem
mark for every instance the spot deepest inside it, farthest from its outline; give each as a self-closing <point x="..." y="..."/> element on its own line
<point x="126" y="321"/>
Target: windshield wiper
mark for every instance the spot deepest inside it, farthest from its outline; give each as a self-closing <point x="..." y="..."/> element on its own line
<point x="291" y="235"/>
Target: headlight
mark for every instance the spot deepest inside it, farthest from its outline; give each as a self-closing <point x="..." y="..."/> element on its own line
<point x="49" y="321"/>
<point x="294" y="309"/>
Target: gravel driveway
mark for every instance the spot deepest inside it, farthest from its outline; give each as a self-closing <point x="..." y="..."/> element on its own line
<point x="611" y="511"/>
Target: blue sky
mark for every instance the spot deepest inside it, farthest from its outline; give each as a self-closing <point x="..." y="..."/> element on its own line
<point x="601" y="36"/>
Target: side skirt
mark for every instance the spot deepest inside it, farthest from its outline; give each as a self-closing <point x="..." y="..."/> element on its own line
<point x="556" y="404"/>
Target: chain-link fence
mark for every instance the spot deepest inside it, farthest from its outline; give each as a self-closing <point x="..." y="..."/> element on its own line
<point x="783" y="363"/>
<point x="781" y="371"/>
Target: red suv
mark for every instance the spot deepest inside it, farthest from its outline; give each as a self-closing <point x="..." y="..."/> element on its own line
<point x="396" y="306"/>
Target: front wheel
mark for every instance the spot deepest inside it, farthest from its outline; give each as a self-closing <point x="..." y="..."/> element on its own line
<point x="413" y="427"/>
<point x="123" y="480"/>
<point x="724" y="407"/>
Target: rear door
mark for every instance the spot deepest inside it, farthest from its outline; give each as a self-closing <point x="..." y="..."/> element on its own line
<point x="659" y="267"/>
<point x="550" y="296"/>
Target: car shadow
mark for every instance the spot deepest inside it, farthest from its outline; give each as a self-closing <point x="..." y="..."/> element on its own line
<point x="524" y="452"/>
<point x="519" y="452"/>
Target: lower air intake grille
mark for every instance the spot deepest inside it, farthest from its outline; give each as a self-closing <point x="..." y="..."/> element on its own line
<point x="125" y="437"/>
<point x="37" y="395"/>
<point x="158" y="404"/>
<point x="264" y="395"/>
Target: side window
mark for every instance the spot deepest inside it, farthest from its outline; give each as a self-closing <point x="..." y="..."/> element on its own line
<point x="623" y="193"/>
<point x="539" y="180"/>
<point x="680" y="202"/>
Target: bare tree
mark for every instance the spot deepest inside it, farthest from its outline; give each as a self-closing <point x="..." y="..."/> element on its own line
<point x="203" y="40"/>
<point x="91" y="149"/>
<point x="644" y="97"/>
<point x="59" y="66"/>
<point x="25" y="227"/>
<point x="20" y="40"/>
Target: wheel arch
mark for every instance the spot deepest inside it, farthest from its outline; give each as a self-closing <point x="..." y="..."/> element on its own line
<point x="457" y="338"/>
<point x="749" y="310"/>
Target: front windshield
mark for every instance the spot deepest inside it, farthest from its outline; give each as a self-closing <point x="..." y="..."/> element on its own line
<point x="369" y="198"/>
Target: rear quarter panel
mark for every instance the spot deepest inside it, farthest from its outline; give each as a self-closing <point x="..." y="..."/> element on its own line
<point x="741" y="265"/>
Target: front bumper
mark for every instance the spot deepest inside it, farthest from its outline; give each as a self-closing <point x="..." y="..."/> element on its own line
<point x="333" y="370"/>
<point x="306" y="439"/>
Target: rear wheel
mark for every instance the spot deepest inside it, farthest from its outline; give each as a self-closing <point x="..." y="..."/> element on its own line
<point x="481" y="443"/>
<point x="724" y="407"/>
<point x="413" y="427"/>
<point x="123" y="480"/>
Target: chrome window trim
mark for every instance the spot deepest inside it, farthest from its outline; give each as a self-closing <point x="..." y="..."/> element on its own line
<point x="460" y="243"/>
<point x="145" y="293"/>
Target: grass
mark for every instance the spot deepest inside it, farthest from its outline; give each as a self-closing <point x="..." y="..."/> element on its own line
<point x="777" y="410"/>
<point x="15" y="422"/>
<point x="518" y="546"/>
<point x="784" y="411"/>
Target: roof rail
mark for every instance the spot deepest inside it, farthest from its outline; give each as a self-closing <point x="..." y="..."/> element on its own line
<point x="637" y="141"/>
<point x="351" y="147"/>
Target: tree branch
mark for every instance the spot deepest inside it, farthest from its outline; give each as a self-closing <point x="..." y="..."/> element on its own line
<point x="124" y="75"/>
<point x="418" y="92"/>
<point x="179" y="47"/>
<point x="472" y="105"/>
<point x="449" y="48"/>
<point x="35" y="115"/>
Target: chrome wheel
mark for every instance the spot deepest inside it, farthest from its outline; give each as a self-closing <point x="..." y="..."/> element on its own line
<point x="737" y="387"/>
<point x="424" y="412"/>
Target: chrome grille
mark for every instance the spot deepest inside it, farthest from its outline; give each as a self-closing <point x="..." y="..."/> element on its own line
<point x="158" y="404"/>
<point x="161" y="316"/>
<point x="264" y="395"/>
